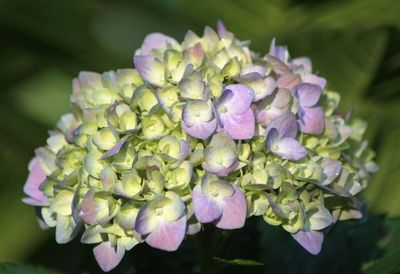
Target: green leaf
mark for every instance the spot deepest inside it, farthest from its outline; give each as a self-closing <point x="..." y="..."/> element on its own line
<point x="238" y="262"/>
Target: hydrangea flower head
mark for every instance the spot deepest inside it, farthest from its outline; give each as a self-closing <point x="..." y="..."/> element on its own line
<point x="198" y="132"/>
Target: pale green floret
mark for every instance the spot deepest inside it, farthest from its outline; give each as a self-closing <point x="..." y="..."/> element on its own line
<point x="130" y="185"/>
<point x="180" y="177"/>
<point x="144" y="99"/>
<point x="153" y="127"/>
<point x="104" y="139"/>
<point x="61" y="204"/>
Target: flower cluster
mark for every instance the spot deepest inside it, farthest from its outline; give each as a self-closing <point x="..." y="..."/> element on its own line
<point x="203" y="131"/>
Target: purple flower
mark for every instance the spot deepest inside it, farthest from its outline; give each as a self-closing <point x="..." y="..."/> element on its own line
<point x="162" y="222"/>
<point x="198" y="119"/>
<point x="311" y="116"/>
<point x="32" y="186"/>
<point x="234" y="111"/>
<point x="219" y="202"/>
<point x="281" y="138"/>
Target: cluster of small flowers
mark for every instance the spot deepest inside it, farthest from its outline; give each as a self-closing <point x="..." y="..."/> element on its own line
<point x="203" y="131"/>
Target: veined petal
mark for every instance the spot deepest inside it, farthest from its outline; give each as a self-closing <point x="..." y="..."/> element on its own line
<point x="234" y="209"/>
<point x="156" y="41"/>
<point x="309" y="239"/>
<point x="150" y="69"/>
<point x="168" y="235"/>
<point x="311" y="120"/>
<point x="240" y="126"/>
<point x="289" y="148"/>
<point x="307" y="94"/>
<point x="107" y="256"/>
<point x="205" y="208"/>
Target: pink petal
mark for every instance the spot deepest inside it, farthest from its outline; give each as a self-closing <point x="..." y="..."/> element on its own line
<point x="31" y="188"/>
<point x="311" y="240"/>
<point x="288" y="81"/>
<point x="241" y="126"/>
<point x="108" y="257"/>
<point x="234" y="210"/>
<point x="205" y="209"/>
<point x="312" y="120"/>
<point x="168" y="235"/>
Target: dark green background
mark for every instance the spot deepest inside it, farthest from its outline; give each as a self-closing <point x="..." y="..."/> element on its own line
<point x="355" y="44"/>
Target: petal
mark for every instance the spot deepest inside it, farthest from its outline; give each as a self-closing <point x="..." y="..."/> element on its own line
<point x="285" y="124"/>
<point x="311" y="120"/>
<point x="272" y="138"/>
<point x="107" y="256"/>
<point x="307" y="94"/>
<point x="146" y="221"/>
<point x="32" y="186"/>
<point x="234" y="209"/>
<point x="311" y="240"/>
<point x="241" y="126"/>
<point x="235" y="99"/>
<point x="330" y="169"/>
<point x="277" y="65"/>
<point x="221" y="29"/>
<point x="305" y="62"/>
<point x="150" y="69"/>
<point x="314" y="79"/>
<point x="168" y="235"/>
<point x="201" y="130"/>
<point x="289" y="148"/>
<point x="279" y="52"/>
<point x="156" y="41"/>
<point x="197" y="111"/>
<point x="205" y="208"/>
<point x="288" y="81"/>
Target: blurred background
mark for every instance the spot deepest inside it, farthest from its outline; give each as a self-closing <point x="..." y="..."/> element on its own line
<point x="355" y="44"/>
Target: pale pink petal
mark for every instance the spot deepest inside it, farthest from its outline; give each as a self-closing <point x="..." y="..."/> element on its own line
<point x="234" y="209"/>
<point x="32" y="186"/>
<point x="107" y="256"/>
<point x="168" y="235"/>
<point x="311" y="240"/>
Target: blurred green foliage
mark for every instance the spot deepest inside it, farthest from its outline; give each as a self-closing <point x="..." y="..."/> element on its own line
<point x="355" y="44"/>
